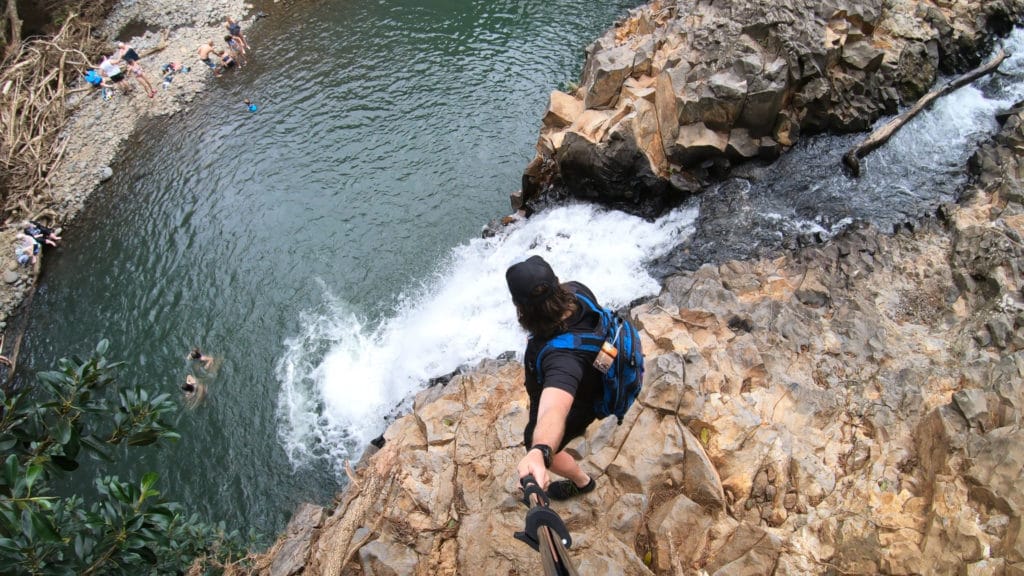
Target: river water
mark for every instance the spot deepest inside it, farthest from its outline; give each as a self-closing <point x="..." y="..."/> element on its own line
<point x="326" y="249"/>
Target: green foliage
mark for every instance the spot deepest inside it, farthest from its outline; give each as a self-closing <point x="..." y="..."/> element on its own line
<point x="81" y="409"/>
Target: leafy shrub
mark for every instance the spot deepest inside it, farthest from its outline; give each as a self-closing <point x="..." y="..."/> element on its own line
<point x="76" y="410"/>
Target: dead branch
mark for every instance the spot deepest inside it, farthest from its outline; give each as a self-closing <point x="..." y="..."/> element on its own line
<point x="882" y="135"/>
<point x="34" y="108"/>
<point x="14" y="42"/>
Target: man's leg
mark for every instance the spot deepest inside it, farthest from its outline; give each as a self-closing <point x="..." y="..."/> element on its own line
<point x="565" y="466"/>
<point x="578" y="482"/>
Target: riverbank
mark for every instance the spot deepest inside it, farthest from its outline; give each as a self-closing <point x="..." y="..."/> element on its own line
<point x="168" y="31"/>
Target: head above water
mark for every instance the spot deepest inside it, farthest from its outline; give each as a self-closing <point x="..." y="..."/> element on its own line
<point x="196" y="354"/>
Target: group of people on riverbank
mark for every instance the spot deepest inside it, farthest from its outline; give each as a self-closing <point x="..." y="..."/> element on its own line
<point x="31" y="240"/>
<point x="113" y="70"/>
<point x="235" y="52"/>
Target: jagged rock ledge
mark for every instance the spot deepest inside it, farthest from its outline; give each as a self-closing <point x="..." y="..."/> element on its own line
<point x="680" y="90"/>
<point x="853" y="407"/>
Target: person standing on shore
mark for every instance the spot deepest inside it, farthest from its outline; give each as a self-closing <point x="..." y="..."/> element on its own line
<point x="235" y="46"/>
<point x="125" y="53"/>
<point x="563" y="406"/>
<point x="207" y="54"/>
<point x="235" y="29"/>
<point x="140" y="76"/>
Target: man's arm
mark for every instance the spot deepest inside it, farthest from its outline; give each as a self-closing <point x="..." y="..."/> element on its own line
<point x="551" y="414"/>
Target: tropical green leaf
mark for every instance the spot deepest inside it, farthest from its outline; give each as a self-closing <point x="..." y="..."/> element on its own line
<point x="31" y="475"/>
<point x="144" y="438"/>
<point x="97" y="447"/>
<point x="46" y="531"/>
<point x="117" y="490"/>
<point x="148" y="481"/>
<point x="27" y="527"/>
<point x="8" y="545"/>
<point x="11" y="470"/>
<point x="62" y="433"/>
<point x="146" y="554"/>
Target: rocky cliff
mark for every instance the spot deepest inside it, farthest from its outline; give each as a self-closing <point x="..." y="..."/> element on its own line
<point x="852" y="408"/>
<point x="680" y="90"/>
<point x="848" y="408"/>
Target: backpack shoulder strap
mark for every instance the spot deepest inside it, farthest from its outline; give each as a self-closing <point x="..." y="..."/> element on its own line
<point x="585" y="342"/>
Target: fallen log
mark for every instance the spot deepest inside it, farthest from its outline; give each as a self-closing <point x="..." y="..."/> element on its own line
<point x="882" y="135"/>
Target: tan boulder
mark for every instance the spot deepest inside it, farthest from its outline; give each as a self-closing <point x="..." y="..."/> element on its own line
<point x="591" y="124"/>
<point x="605" y="75"/>
<point x="563" y="110"/>
<point x="679" y="531"/>
<point x="696" y="143"/>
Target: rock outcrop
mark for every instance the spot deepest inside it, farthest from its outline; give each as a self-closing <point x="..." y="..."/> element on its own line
<point x="679" y="90"/>
<point x="853" y="407"/>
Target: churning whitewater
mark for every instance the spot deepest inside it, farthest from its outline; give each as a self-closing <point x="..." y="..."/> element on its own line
<point x="341" y="377"/>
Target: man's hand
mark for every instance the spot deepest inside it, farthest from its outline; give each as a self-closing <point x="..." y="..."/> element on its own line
<point x="533" y="463"/>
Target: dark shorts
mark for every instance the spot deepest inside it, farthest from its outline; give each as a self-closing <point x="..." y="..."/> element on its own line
<point x="117" y="77"/>
<point x="131" y="56"/>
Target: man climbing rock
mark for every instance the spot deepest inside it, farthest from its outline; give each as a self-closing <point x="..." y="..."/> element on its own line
<point x="562" y="394"/>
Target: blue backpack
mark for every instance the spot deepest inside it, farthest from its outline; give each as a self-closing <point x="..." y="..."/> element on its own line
<point x="625" y="378"/>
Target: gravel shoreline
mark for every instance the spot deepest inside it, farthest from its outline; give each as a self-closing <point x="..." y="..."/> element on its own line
<point x="98" y="129"/>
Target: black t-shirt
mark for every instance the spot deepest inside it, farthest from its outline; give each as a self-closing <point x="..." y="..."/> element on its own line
<point x="569" y="370"/>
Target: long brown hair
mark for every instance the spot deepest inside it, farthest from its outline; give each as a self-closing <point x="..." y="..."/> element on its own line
<point x="547" y="318"/>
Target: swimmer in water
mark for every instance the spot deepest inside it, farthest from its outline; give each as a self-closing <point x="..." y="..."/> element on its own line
<point x="194" y="391"/>
<point x="249" y="105"/>
<point x="198" y="356"/>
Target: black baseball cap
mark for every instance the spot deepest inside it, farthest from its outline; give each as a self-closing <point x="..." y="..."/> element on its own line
<point x="525" y="277"/>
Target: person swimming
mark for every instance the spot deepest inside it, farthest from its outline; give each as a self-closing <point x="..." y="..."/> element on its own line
<point x="194" y="390"/>
<point x="249" y="105"/>
<point x="198" y="356"/>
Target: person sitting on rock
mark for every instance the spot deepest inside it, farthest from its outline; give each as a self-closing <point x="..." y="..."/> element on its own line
<point x="112" y="72"/>
<point x="227" y="60"/>
<point x="43" y="235"/>
<point x="25" y="249"/>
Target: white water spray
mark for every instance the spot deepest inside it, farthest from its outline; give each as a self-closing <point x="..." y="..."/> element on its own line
<point x="340" y="378"/>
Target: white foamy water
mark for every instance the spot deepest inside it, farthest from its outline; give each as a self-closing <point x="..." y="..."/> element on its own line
<point x="339" y="378"/>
